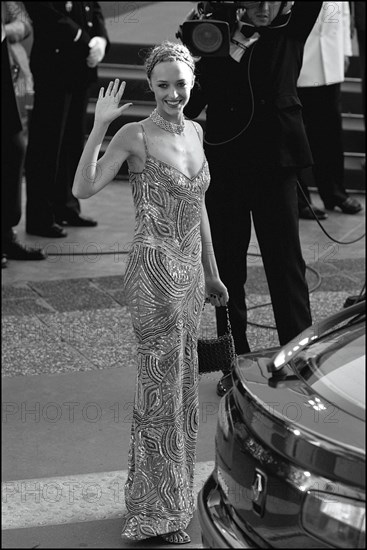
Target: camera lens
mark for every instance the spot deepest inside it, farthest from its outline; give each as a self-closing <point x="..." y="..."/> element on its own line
<point x="207" y="38"/>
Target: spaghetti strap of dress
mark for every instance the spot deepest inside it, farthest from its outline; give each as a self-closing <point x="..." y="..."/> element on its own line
<point x="196" y="130"/>
<point x="145" y="140"/>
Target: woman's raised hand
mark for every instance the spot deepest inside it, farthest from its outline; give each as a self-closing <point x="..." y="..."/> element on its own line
<point x="107" y="106"/>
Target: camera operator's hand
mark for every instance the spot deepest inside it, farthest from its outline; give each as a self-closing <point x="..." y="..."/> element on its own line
<point x="107" y="106"/>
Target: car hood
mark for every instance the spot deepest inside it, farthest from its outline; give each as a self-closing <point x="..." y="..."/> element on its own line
<point x="290" y="417"/>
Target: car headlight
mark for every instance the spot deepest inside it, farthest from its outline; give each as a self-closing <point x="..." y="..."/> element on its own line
<point x="339" y="521"/>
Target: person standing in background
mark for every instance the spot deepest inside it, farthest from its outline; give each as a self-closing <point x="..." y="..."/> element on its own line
<point x="15" y="27"/>
<point x="325" y="62"/>
<point x="255" y="142"/>
<point x="70" y="39"/>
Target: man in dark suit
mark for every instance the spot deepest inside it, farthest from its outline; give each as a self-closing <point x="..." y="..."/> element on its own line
<point x="70" y="39"/>
<point x="255" y="142"/>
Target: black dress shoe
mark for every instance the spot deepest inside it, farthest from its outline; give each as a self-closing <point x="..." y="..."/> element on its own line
<point x="347" y="206"/>
<point x="224" y="384"/>
<point x="16" y="251"/>
<point x="305" y="213"/>
<point x="53" y="231"/>
<point x="76" y="221"/>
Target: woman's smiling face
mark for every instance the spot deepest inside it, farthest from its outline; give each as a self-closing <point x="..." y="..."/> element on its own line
<point x="171" y="82"/>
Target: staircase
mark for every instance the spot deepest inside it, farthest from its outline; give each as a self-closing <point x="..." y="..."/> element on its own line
<point x="353" y="128"/>
<point x="137" y="91"/>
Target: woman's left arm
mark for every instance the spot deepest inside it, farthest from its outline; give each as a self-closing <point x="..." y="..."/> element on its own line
<point x="216" y="291"/>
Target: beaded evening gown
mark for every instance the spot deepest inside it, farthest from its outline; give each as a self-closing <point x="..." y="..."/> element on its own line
<point x="165" y="291"/>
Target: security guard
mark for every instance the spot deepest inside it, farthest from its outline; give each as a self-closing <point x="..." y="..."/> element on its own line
<point x="70" y="39"/>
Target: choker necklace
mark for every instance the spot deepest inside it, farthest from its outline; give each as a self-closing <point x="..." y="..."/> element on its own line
<point x="165" y="125"/>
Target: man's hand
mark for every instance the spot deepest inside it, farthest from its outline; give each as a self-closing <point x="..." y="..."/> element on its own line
<point x="97" y="46"/>
<point x="346" y="64"/>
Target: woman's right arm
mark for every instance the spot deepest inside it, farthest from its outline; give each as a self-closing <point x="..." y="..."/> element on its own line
<point x="92" y="173"/>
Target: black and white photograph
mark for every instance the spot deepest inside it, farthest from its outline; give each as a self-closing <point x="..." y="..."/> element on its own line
<point x="183" y="274"/>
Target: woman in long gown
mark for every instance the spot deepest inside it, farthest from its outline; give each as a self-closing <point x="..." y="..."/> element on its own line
<point x="171" y="268"/>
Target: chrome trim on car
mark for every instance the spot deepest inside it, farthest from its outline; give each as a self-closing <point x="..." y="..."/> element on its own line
<point x="295" y="346"/>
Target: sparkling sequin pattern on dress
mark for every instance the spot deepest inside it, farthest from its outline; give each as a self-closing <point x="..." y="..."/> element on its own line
<point x="165" y="290"/>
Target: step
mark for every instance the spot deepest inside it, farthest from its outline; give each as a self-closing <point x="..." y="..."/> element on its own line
<point x="351" y="96"/>
<point x="354" y="69"/>
<point x="353" y="133"/>
<point x="128" y="54"/>
<point x="136" y="82"/>
<point x="354" y="175"/>
<point x="138" y="111"/>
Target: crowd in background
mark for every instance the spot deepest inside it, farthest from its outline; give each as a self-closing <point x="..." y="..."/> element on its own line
<point x="54" y="127"/>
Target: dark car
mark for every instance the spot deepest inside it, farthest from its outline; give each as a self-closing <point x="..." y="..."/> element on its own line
<point x="290" y="445"/>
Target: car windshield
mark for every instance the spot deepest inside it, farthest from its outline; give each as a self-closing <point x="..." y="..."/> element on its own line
<point x="336" y="369"/>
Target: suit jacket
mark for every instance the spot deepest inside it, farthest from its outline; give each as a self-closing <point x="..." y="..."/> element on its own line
<point x="55" y="57"/>
<point x="259" y="94"/>
<point x="326" y="46"/>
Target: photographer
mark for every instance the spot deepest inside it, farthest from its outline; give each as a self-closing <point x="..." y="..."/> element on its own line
<point x="255" y="143"/>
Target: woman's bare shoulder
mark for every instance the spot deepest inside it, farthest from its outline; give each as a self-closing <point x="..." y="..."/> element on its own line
<point x="130" y="137"/>
<point x="131" y="130"/>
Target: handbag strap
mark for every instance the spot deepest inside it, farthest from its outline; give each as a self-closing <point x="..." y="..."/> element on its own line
<point x="229" y="328"/>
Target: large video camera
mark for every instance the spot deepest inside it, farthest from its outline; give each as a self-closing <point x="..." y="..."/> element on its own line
<point x="207" y="30"/>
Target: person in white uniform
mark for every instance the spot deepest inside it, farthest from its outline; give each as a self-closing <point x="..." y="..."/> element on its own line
<point x="325" y="62"/>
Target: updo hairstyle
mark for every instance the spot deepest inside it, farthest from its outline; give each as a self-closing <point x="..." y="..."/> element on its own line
<point x="168" y="51"/>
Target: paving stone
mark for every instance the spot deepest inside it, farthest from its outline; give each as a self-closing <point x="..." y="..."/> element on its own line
<point x="74" y="294"/>
<point x="25" y="307"/>
<point x="340" y="283"/>
<point x="44" y="358"/>
<point x="10" y="292"/>
<point x="90" y="339"/>
<point x="109" y="327"/>
<point x="351" y="264"/>
<point x="119" y="296"/>
<point x="28" y="330"/>
<point x="89" y="300"/>
<point x="113" y="282"/>
<point x="326" y="303"/>
<point x="59" y="287"/>
<point x="104" y="337"/>
<point x="324" y="268"/>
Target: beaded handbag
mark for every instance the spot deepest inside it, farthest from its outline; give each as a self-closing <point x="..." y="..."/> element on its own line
<point x="215" y="354"/>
